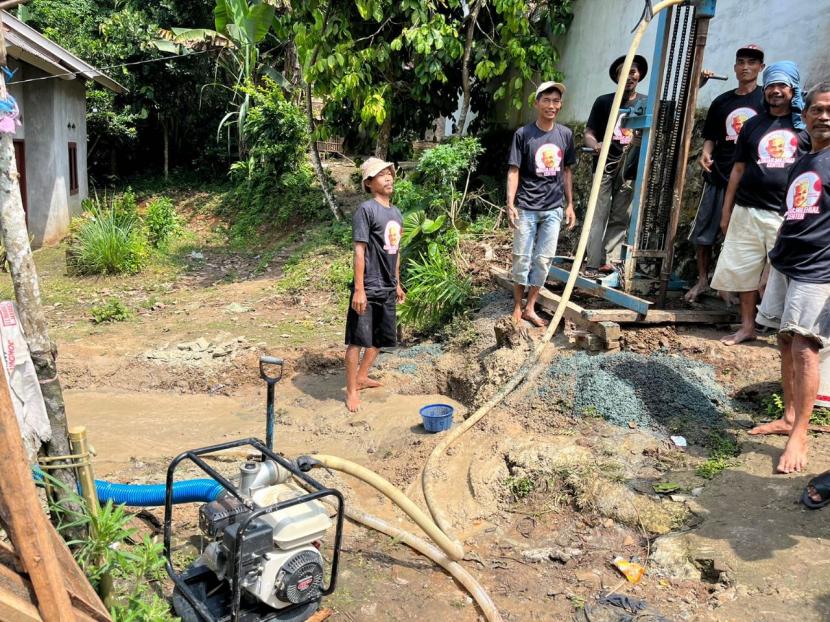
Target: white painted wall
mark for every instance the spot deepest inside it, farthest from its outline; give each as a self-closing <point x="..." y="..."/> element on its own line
<point x="794" y="30"/>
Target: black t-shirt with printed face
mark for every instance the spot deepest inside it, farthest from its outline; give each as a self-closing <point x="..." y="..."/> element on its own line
<point x="622" y="137"/>
<point x="380" y="228"/>
<point x="768" y="146"/>
<point x="802" y="251"/>
<point x="541" y="158"/>
<point x="727" y="115"/>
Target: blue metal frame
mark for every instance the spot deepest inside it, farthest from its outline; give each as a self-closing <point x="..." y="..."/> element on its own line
<point x="612" y="295"/>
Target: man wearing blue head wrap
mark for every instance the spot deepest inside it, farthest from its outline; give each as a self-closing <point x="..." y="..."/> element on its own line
<point x="786" y="72"/>
<point x="767" y="147"/>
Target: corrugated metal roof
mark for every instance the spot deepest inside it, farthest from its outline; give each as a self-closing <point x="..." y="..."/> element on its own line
<point x="27" y="44"/>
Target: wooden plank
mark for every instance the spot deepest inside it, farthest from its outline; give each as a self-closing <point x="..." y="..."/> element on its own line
<point x="320" y="616"/>
<point x="15" y="609"/>
<point x="28" y="528"/>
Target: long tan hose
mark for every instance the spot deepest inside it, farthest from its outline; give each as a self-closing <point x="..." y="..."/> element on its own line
<point x="453" y="549"/>
<point x="428" y="474"/>
<point x="456" y="570"/>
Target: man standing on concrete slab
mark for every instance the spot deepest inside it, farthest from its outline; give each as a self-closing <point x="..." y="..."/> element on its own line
<point x="724" y="121"/>
<point x="613" y="209"/>
<point x="766" y="149"/>
<point x="797" y="296"/>
<point x="538" y="188"/>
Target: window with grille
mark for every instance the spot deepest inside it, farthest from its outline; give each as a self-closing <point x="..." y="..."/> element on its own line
<point x="73" y="168"/>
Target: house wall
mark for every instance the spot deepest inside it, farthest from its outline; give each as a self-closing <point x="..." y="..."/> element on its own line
<point x="601" y="31"/>
<point x="50" y="109"/>
<point x="16" y="91"/>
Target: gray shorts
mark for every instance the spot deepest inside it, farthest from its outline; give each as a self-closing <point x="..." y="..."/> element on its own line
<point x="796" y="308"/>
<point x="706" y="226"/>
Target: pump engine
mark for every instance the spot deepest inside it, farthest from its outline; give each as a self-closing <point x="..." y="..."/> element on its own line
<point x="263" y="560"/>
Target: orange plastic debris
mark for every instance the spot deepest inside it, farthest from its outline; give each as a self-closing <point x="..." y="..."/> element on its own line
<point x="630" y="570"/>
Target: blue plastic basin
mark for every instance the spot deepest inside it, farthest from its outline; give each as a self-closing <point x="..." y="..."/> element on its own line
<point x="437" y="417"/>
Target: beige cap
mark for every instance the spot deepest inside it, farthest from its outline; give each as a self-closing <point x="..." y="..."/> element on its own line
<point x="372" y="167"/>
<point x="550" y="85"/>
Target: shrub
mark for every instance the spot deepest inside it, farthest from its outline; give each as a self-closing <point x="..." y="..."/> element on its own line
<point x="111" y="311"/>
<point x="445" y="165"/>
<point x="161" y="221"/>
<point x="105" y="241"/>
<point x="435" y="290"/>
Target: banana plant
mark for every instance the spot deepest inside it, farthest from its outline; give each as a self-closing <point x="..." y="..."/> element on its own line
<point x="240" y="27"/>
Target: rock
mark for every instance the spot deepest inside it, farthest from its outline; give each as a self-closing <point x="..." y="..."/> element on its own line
<point x="696" y="492"/>
<point x="629" y="541"/>
<point x="508" y="335"/>
<point x="200" y="345"/>
<point x="235" y="307"/>
<point x="197" y="255"/>
<point x="672" y="555"/>
<point x="588" y="576"/>
<point x="183" y="346"/>
<point x="489" y="253"/>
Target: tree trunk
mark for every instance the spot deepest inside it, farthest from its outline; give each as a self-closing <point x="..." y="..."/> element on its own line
<point x="384" y="137"/>
<point x="315" y="160"/>
<point x="465" y="68"/>
<point x="166" y="133"/>
<point x="15" y="238"/>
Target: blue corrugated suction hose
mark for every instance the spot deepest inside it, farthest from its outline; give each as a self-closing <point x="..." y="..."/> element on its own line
<point x="147" y="495"/>
<point x="186" y="491"/>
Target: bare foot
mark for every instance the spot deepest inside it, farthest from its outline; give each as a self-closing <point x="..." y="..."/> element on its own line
<point x="794" y="458"/>
<point x="517" y="317"/>
<point x="738" y="337"/>
<point x="534" y="319"/>
<point x="779" y="426"/>
<point x="352" y="401"/>
<point x="699" y="288"/>
<point x="367" y="383"/>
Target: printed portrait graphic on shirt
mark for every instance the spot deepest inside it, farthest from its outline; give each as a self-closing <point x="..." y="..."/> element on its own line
<point x="548" y="160"/>
<point x="622" y="135"/>
<point x="735" y="121"/>
<point x="392" y="237"/>
<point x="777" y="149"/>
<point x="803" y="196"/>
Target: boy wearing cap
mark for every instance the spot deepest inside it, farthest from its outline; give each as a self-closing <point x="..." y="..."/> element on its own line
<point x="370" y="324"/>
<point x="538" y="188"/>
<point x="613" y="208"/>
<point x="724" y="121"/>
<point x="767" y="147"/>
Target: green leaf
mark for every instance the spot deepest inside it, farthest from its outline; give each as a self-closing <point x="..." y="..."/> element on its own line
<point x="431" y="226"/>
<point x="665" y="487"/>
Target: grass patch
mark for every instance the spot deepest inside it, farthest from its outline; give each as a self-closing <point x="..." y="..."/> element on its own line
<point x="113" y="310"/>
<point x="723" y="449"/>
<point x="821" y="416"/>
<point x="519" y="487"/>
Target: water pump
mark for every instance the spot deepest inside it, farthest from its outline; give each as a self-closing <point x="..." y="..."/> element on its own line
<point x="264" y="557"/>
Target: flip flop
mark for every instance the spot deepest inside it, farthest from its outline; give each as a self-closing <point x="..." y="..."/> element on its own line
<point x="821" y="483"/>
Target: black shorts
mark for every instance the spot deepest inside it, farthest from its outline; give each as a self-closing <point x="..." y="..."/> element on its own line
<point x="706" y="226"/>
<point x="377" y="327"/>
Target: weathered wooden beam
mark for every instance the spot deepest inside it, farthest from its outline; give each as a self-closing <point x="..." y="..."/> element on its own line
<point x="26" y="521"/>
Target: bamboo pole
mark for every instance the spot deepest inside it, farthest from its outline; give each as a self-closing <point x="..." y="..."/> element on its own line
<point x="86" y="480"/>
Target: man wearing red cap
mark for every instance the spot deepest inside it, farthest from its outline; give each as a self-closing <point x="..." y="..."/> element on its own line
<point x="724" y="121"/>
<point x="613" y="208"/>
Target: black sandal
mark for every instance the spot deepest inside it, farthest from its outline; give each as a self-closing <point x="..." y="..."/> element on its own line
<point x="821" y="484"/>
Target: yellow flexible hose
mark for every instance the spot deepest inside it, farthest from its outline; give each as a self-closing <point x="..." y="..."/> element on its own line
<point x="428" y="474"/>
<point x="453" y="549"/>
<point x="419" y="545"/>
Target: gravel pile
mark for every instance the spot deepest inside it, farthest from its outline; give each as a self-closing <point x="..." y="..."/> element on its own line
<point x="668" y="394"/>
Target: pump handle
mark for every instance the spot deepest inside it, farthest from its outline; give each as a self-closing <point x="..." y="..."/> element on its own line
<point x="265" y="361"/>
